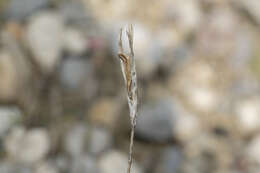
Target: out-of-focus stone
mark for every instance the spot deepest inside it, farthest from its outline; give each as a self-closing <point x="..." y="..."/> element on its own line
<point x="187" y="126"/>
<point x="45" y="38"/>
<point x="77" y="75"/>
<point x="20" y="9"/>
<point x="6" y="167"/>
<point x="253" y="150"/>
<point x="14" y="30"/>
<point x="146" y="51"/>
<point x="74" y="12"/>
<point x="243" y="50"/>
<point x="221" y="27"/>
<point x="108" y="160"/>
<point x="104" y="113"/>
<point x="8" y="115"/>
<point x="157" y="91"/>
<point x="62" y="162"/>
<point x="186" y="15"/>
<point x="74" y="72"/>
<point x="8" y="77"/>
<point x="206" y="148"/>
<point x="84" y="164"/>
<point x="11" y="167"/>
<point x="174" y="51"/>
<point x="116" y="9"/>
<point x="245" y="86"/>
<point x="27" y="146"/>
<point x="202" y="99"/>
<point x="46" y="168"/>
<point x="100" y="141"/>
<point x="252" y="6"/>
<point x="196" y="83"/>
<point x="75" y="42"/>
<point x="170" y="161"/>
<point x="75" y="140"/>
<point x="156" y="120"/>
<point x="248" y="112"/>
<point x="200" y="73"/>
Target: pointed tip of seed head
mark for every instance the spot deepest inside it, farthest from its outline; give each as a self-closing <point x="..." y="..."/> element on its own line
<point x="120" y="44"/>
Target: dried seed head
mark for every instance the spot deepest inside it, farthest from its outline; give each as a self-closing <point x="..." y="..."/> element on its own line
<point x="128" y="68"/>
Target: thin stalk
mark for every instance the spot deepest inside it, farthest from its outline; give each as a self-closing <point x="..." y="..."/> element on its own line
<point x="129" y="73"/>
<point x="131" y="146"/>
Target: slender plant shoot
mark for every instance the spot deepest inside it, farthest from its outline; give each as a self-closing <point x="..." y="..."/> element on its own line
<point x="129" y="73"/>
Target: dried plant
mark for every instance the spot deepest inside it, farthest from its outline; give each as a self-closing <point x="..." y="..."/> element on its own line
<point x="128" y="68"/>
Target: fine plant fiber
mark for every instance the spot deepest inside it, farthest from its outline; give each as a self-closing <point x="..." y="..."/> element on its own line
<point x="129" y="73"/>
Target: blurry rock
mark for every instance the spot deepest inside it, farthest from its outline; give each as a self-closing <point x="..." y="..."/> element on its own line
<point x="174" y="51"/>
<point x="200" y="164"/>
<point x="252" y="7"/>
<point x="198" y="72"/>
<point x="156" y="120"/>
<point x="221" y="26"/>
<point x="77" y="76"/>
<point x="186" y="15"/>
<point x="75" y="140"/>
<point x="243" y="50"/>
<point x="157" y="91"/>
<point x="75" y="42"/>
<point x="27" y="146"/>
<point x="8" y="116"/>
<point x="8" y="77"/>
<point x="187" y="126"/>
<point x="253" y="168"/>
<point x="23" y="169"/>
<point x="14" y="31"/>
<point x="206" y="152"/>
<point x="116" y="9"/>
<point x="6" y="167"/>
<point x="195" y="81"/>
<point x="45" y="38"/>
<point x="74" y="12"/>
<point x="245" y="86"/>
<point x="46" y="168"/>
<point x="170" y="161"/>
<point x="62" y="163"/>
<point x="104" y="113"/>
<point x="20" y="9"/>
<point x="84" y="164"/>
<point x="115" y="161"/>
<point x="147" y="52"/>
<point x="10" y="167"/>
<point x="253" y="150"/>
<point x="202" y="98"/>
<point x="248" y="112"/>
<point x="74" y="71"/>
<point x="100" y="141"/>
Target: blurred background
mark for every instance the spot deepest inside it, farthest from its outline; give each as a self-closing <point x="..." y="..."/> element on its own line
<point x="63" y="106"/>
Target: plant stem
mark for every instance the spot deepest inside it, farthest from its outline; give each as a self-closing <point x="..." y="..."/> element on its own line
<point x="128" y="68"/>
<point x="131" y="146"/>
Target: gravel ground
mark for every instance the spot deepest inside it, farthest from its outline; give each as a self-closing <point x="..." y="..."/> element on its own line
<point x="63" y="106"/>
